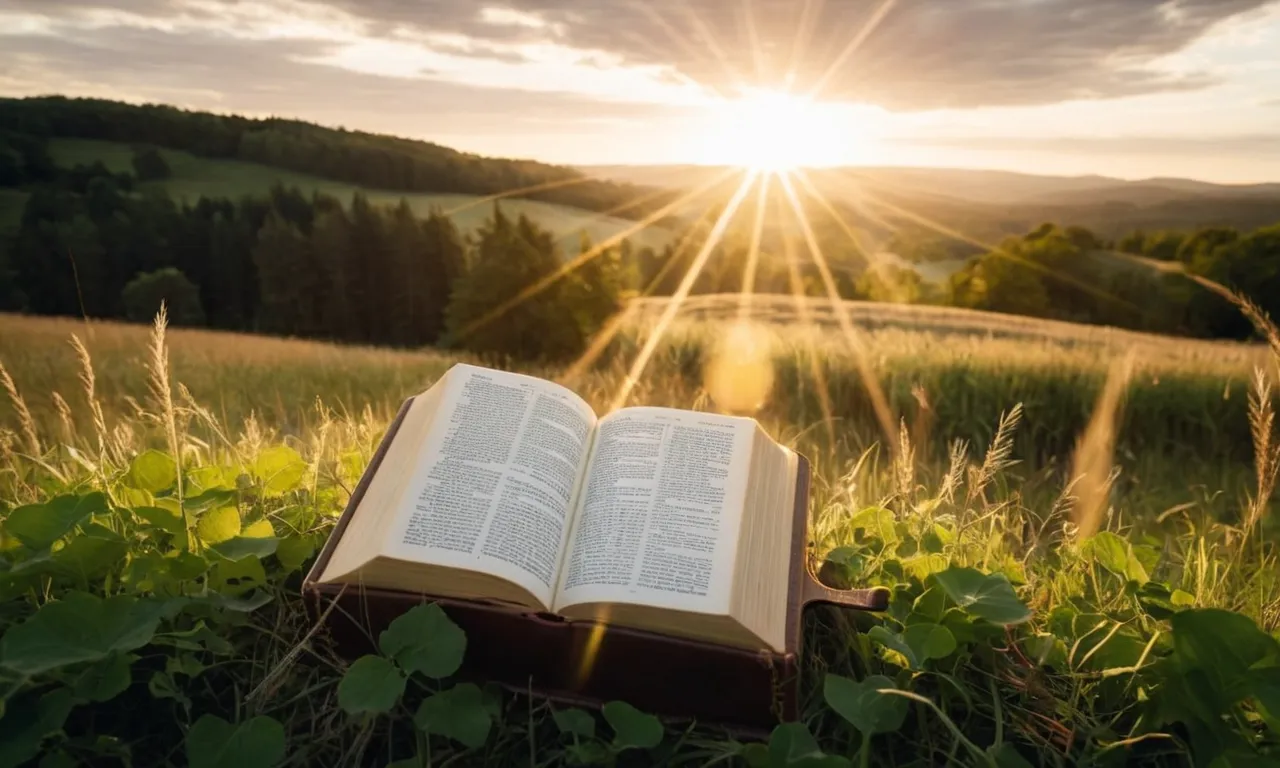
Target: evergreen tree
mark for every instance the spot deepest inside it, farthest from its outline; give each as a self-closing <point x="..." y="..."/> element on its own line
<point x="286" y="279"/>
<point x="144" y="294"/>
<point x="509" y="257"/>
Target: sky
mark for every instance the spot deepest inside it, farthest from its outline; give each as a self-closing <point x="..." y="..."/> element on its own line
<point x="1126" y="88"/>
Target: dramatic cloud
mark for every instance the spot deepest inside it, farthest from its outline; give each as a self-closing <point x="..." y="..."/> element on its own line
<point x="921" y="53"/>
<point x="916" y="54"/>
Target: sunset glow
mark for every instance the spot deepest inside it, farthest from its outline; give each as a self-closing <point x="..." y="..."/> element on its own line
<point x="777" y="131"/>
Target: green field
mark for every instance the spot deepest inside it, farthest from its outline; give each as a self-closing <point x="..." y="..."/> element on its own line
<point x="194" y="177"/>
<point x="1012" y="638"/>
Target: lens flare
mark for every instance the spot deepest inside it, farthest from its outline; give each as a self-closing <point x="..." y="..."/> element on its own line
<point x="739" y="375"/>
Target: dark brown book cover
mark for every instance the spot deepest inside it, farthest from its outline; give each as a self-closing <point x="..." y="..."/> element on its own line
<point x="589" y="663"/>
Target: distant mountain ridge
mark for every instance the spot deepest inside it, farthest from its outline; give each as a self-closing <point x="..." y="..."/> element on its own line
<point x="973" y="185"/>
<point x="990" y="204"/>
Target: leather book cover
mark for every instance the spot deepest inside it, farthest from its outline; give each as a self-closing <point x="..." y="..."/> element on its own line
<point x="590" y="663"/>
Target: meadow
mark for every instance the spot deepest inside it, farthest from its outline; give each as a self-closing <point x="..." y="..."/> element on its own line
<point x="1034" y="620"/>
<point x="194" y="177"/>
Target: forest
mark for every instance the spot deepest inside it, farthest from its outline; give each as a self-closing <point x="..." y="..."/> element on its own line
<point x="310" y="265"/>
<point x="370" y="160"/>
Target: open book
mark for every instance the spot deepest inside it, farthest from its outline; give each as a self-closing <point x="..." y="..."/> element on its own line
<point x="508" y="488"/>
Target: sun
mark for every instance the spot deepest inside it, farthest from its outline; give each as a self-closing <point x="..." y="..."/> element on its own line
<point x="778" y="131"/>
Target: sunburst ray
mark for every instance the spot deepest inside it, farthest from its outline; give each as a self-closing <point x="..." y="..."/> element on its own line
<point x="809" y="331"/>
<point x="1000" y="252"/>
<point x="851" y="47"/>
<point x="747" y="288"/>
<point x="879" y="404"/>
<point x="569" y="266"/>
<point x="615" y="324"/>
<point x="543" y="187"/>
<point x="673" y="306"/>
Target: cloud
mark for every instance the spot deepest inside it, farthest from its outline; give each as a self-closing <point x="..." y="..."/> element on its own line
<point x="923" y="54"/>
<point x="658" y="54"/>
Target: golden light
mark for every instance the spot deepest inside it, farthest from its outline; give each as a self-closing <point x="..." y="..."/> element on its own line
<point x="778" y="131"/>
<point x="739" y="375"/>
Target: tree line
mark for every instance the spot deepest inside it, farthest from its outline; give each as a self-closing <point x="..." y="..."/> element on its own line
<point x="298" y="264"/>
<point x="366" y="159"/>
<point x="91" y="241"/>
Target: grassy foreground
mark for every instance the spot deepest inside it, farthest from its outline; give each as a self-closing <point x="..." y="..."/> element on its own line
<point x="149" y="606"/>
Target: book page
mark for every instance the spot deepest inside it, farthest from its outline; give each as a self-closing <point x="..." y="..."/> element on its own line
<point x="495" y="480"/>
<point x="660" y="511"/>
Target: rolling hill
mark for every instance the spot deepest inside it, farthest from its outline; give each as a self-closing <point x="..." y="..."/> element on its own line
<point x="194" y="177"/>
<point x="989" y="205"/>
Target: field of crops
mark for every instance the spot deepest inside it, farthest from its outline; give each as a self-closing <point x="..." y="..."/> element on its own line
<point x="150" y="613"/>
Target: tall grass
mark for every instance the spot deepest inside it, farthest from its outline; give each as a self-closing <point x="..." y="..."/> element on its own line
<point x="1071" y="686"/>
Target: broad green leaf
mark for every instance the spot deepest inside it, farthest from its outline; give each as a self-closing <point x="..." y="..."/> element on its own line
<point x="921" y="566"/>
<point x="210" y="499"/>
<point x="458" y="713"/>
<point x="878" y="522"/>
<point x="792" y="746"/>
<point x="214" y="743"/>
<point x="184" y="566"/>
<point x="212" y="477"/>
<point x="279" y="469"/>
<point x="253" y="602"/>
<point x="152" y="471"/>
<point x="163" y="518"/>
<point x="929" y="641"/>
<point x="1182" y="599"/>
<point x="105" y="679"/>
<point x="259" y="529"/>
<point x="92" y="553"/>
<point x="371" y="684"/>
<point x="231" y="578"/>
<point x="133" y="497"/>
<point x="930" y="605"/>
<point x="1108" y="550"/>
<point x="863" y="705"/>
<point x="1116" y="555"/>
<point x="28" y="720"/>
<point x="575" y="721"/>
<point x="631" y="727"/>
<point x="39" y="525"/>
<point x="1226" y="645"/>
<point x="294" y="551"/>
<point x="895" y="642"/>
<point x="240" y="547"/>
<point x="425" y="640"/>
<point x="79" y="627"/>
<point x="219" y="525"/>
<point x="989" y="597"/>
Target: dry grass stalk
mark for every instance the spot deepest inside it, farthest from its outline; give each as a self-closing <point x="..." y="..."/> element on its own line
<point x="65" y="419"/>
<point x="158" y="383"/>
<point x="998" y="453"/>
<point x="1252" y="312"/>
<point x="25" y="422"/>
<point x="959" y="459"/>
<point x="1266" y="449"/>
<point x="89" y="383"/>
<point x="1091" y="465"/>
<point x="904" y="463"/>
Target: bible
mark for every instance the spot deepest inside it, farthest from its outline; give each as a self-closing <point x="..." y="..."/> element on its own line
<point x="508" y="489"/>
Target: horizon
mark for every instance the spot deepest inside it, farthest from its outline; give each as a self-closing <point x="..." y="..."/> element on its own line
<point x="1147" y="91"/>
